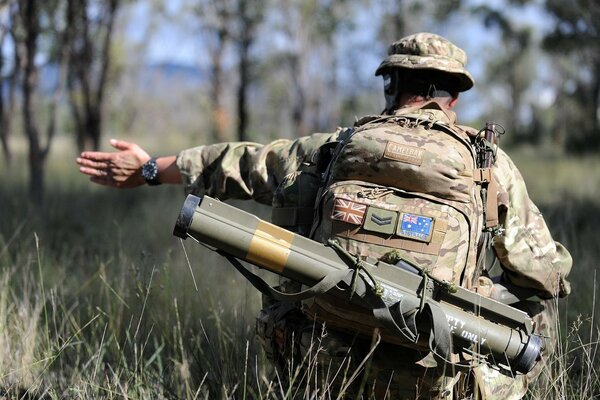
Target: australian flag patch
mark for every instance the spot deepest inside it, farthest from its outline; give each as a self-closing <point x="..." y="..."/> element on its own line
<point x="413" y="226"/>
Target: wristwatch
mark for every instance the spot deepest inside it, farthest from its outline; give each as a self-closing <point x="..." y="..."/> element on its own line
<point x="150" y="172"/>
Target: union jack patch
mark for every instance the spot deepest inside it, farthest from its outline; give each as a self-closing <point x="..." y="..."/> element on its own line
<point x="348" y="211"/>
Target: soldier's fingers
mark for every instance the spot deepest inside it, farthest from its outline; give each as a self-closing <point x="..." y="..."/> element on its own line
<point x="121" y="144"/>
<point x="85" y="162"/>
<point x="93" y="171"/>
<point x="97" y="155"/>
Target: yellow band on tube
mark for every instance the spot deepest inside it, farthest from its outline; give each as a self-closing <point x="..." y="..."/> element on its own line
<point x="270" y="247"/>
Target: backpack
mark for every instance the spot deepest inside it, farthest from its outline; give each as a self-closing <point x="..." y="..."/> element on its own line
<point x="402" y="187"/>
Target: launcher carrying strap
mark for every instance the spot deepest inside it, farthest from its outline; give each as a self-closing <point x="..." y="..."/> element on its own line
<point x="402" y="318"/>
<point x="323" y="286"/>
<point x="406" y="329"/>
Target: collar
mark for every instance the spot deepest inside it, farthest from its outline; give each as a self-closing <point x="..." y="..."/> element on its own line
<point x="431" y="110"/>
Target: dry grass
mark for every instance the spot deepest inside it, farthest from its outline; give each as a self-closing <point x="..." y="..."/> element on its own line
<point x="97" y="299"/>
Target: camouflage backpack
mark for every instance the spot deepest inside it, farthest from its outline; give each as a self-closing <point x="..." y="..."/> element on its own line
<point x="403" y="187"/>
<point x="400" y="187"/>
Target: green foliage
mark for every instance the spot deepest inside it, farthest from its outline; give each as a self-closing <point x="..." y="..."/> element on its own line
<point x="563" y="61"/>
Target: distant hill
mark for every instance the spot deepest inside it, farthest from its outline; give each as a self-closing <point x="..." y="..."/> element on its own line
<point x="165" y="73"/>
<point x="148" y="77"/>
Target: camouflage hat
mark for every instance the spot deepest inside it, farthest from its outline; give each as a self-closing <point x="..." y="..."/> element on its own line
<point x="428" y="51"/>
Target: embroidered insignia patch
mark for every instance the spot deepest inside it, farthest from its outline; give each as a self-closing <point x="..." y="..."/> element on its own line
<point x="415" y="226"/>
<point x="348" y="211"/>
<point x="381" y="220"/>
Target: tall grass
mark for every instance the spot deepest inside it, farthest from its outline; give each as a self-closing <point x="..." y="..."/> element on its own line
<point x="97" y="299"/>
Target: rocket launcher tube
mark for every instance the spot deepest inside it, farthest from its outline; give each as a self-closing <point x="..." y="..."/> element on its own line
<point x="500" y="333"/>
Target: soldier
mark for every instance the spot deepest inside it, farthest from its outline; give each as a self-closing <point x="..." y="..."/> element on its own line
<point x="411" y="163"/>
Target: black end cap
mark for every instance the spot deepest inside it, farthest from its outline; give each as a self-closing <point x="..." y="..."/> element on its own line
<point x="186" y="215"/>
<point x="530" y="355"/>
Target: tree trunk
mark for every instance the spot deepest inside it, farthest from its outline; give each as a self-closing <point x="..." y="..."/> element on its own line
<point x="299" y="100"/>
<point x="333" y="115"/>
<point x="37" y="161"/>
<point x="5" y="109"/>
<point x="219" y="115"/>
<point x="246" y="26"/>
<point x="242" y="108"/>
<point x="94" y="127"/>
<point x="596" y="101"/>
<point x="37" y="156"/>
<point x="89" y="129"/>
<point x="4" y="116"/>
<point x="88" y="75"/>
<point x="249" y="14"/>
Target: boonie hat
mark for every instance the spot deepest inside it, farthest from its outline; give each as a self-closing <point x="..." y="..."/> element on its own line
<point x="429" y="51"/>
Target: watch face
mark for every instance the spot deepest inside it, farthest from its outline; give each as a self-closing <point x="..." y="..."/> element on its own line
<point x="150" y="171"/>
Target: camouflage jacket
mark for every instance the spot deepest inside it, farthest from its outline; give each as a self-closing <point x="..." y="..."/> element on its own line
<point x="244" y="170"/>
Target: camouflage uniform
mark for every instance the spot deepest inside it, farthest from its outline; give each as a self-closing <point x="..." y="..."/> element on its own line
<point x="529" y="256"/>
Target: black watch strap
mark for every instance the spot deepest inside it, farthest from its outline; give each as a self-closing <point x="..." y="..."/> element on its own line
<point x="150" y="172"/>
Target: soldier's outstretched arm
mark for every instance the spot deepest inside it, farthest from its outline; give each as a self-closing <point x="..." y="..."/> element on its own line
<point x="245" y="170"/>
<point x="241" y="170"/>
<point x="122" y="169"/>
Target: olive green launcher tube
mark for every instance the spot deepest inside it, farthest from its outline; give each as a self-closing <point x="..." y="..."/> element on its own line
<point x="247" y="237"/>
<point x="477" y="323"/>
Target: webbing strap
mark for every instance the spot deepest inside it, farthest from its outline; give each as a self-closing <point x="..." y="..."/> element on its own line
<point x="326" y="179"/>
<point x="360" y="234"/>
<point x="404" y="324"/>
<point x="485" y="177"/>
<point x="481" y="175"/>
<point x="491" y="206"/>
<point x="407" y="331"/>
<point x="440" y="339"/>
<point x="323" y="286"/>
<point x="407" y="313"/>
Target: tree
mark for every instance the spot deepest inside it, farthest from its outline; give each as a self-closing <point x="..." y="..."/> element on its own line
<point x="35" y="24"/>
<point x="249" y="16"/>
<point x="332" y="19"/>
<point x="576" y="35"/>
<point x="510" y="68"/>
<point x="217" y="17"/>
<point x="90" y="30"/>
<point x="402" y="17"/>
<point x="307" y="60"/>
<point x="295" y="26"/>
<point x="226" y="22"/>
<point x="8" y="75"/>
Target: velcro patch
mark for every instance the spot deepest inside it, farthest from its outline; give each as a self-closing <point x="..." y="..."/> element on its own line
<point x="414" y="226"/>
<point x="401" y="152"/>
<point x="381" y="220"/>
<point x="348" y="211"/>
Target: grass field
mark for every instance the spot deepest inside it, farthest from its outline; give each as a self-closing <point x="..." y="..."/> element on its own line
<point x="98" y="300"/>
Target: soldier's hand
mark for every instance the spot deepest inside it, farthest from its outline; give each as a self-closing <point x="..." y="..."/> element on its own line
<point x="121" y="169"/>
